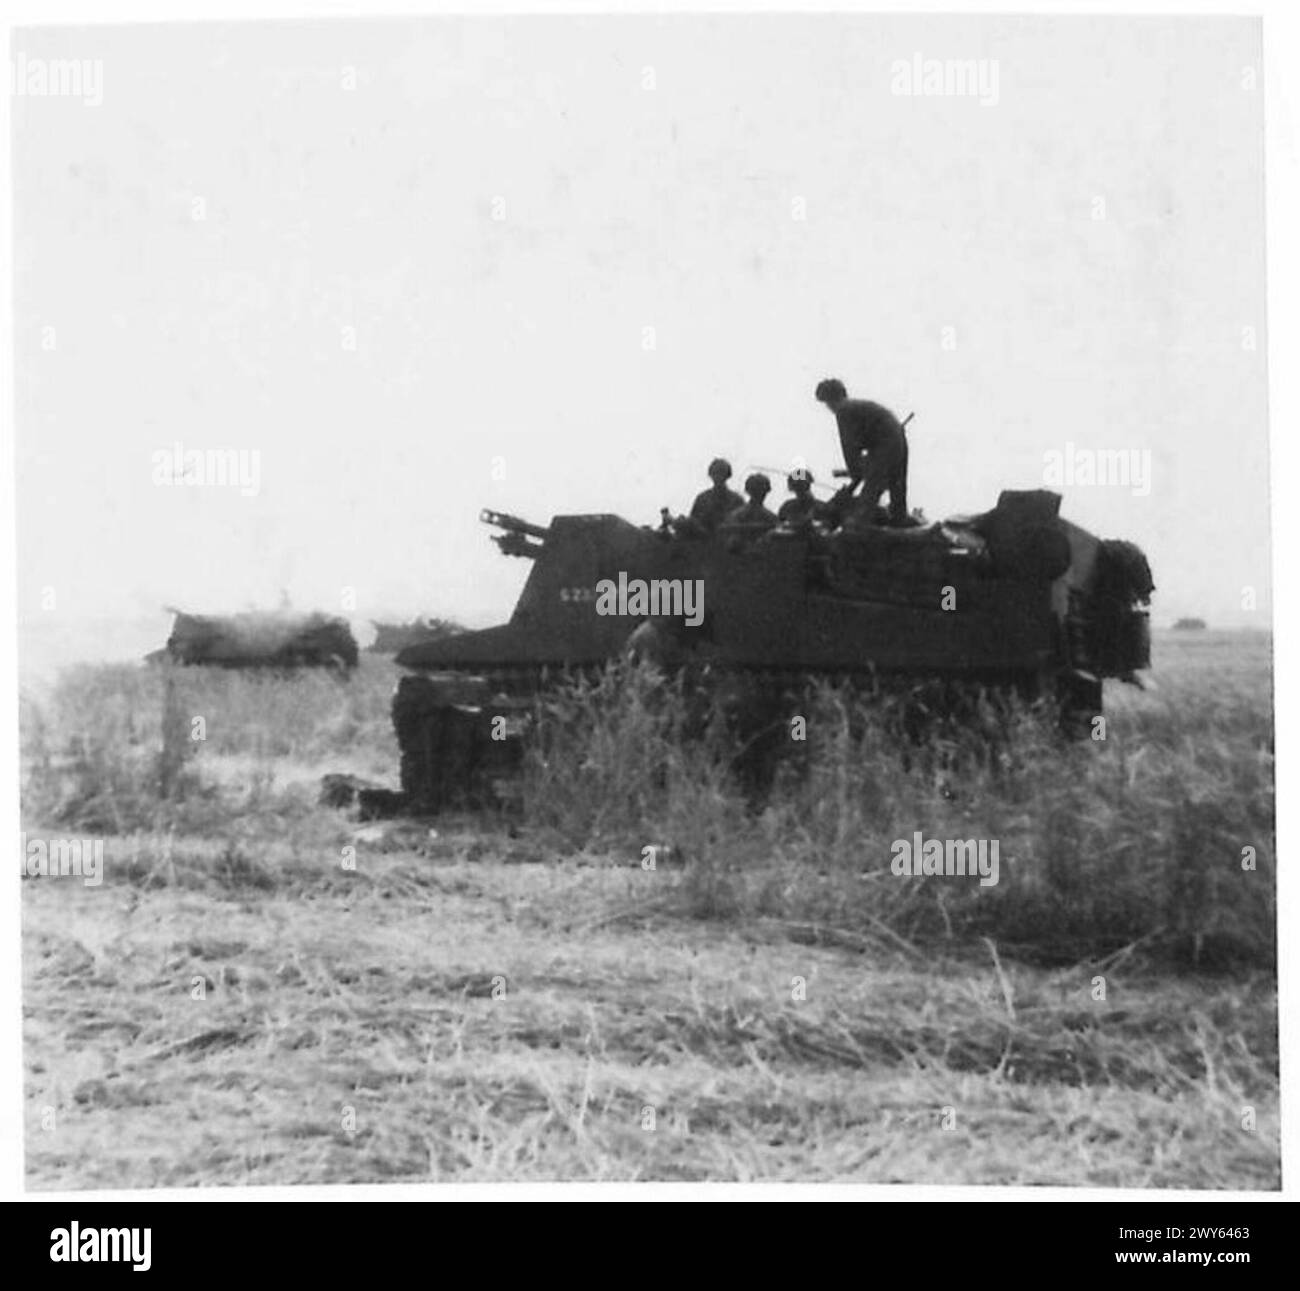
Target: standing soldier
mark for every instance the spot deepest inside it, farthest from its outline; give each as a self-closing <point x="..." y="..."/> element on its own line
<point x="712" y="506"/>
<point x="874" y="444"/>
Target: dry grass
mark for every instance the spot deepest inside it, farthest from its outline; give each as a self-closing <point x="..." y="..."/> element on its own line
<point x="487" y="1002"/>
<point x="1137" y="837"/>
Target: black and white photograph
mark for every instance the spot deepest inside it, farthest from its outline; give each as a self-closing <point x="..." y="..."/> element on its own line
<point x="659" y="598"/>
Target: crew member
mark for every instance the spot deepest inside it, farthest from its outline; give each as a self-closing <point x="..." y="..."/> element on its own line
<point x="753" y="514"/>
<point x="803" y="508"/>
<point x="874" y="444"/>
<point x="712" y="506"/>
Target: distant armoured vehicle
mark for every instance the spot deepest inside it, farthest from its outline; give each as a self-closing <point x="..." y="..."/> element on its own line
<point x="1190" y="625"/>
<point x="260" y="639"/>
<point x="1015" y="598"/>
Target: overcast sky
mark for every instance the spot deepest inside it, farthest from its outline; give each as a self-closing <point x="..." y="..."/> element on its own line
<point x="556" y="265"/>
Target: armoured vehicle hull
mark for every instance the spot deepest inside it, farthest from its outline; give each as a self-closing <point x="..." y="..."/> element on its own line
<point x="261" y="640"/>
<point x="1015" y="597"/>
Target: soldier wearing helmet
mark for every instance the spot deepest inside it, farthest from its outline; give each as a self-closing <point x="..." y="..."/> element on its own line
<point x="803" y="508"/>
<point x="713" y="506"/>
<point x="874" y="444"/>
<point x="754" y="514"/>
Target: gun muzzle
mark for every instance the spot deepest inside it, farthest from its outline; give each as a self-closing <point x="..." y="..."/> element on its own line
<point x="513" y="524"/>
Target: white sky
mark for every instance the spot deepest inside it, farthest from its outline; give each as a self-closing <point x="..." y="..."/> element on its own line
<point x="625" y="208"/>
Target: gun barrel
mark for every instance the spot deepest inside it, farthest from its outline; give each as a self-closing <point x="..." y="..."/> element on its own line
<point x="513" y="524"/>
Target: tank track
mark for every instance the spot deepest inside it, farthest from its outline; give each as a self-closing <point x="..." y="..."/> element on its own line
<point x="461" y="739"/>
<point x="463" y="735"/>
